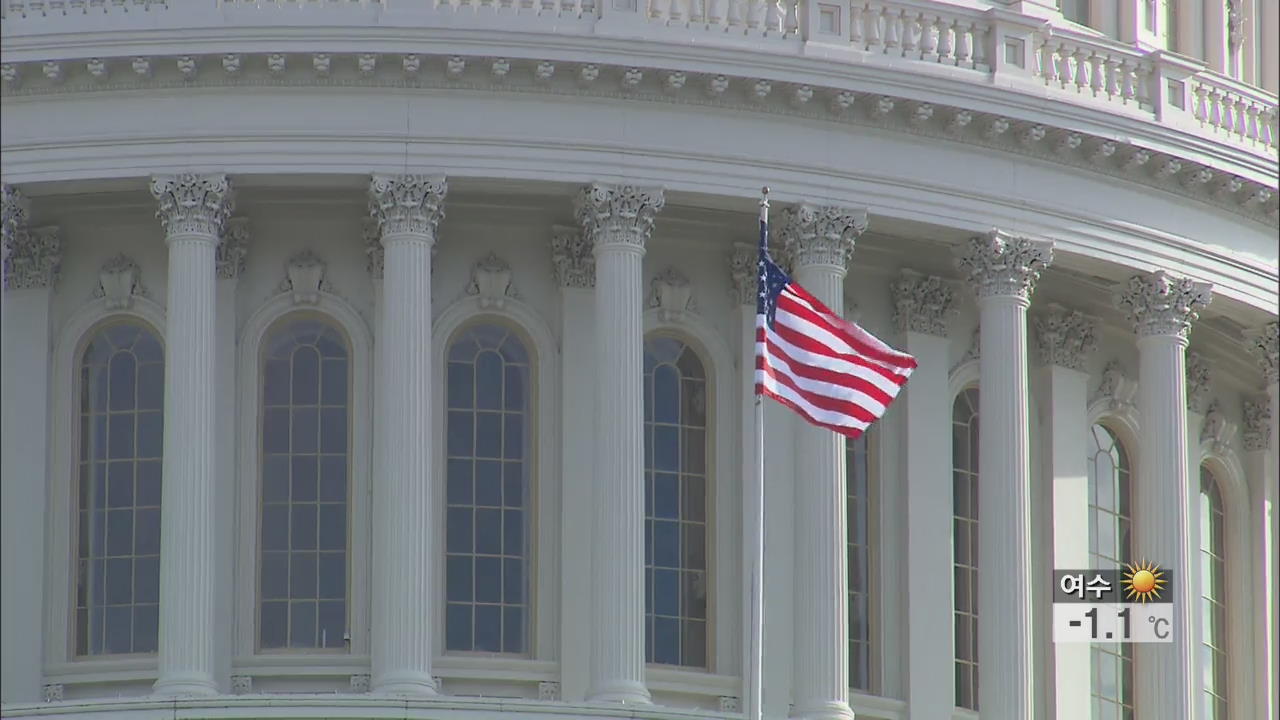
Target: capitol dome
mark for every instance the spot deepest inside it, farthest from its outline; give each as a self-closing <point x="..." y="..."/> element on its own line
<point x="394" y="358"/>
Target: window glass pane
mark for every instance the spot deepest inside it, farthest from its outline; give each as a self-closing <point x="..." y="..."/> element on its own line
<point x="964" y="455"/>
<point x="1109" y="530"/>
<point x="676" y="452"/>
<point x="487" y="473"/>
<point x="1213" y="621"/>
<point x="118" y="491"/>
<point x="303" y="475"/>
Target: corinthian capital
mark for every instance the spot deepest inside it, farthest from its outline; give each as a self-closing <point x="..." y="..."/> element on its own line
<point x="1257" y="423"/>
<point x="192" y="204"/>
<point x="923" y="304"/>
<point x="1197" y="372"/>
<point x="1264" y="344"/>
<point x="33" y="258"/>
<point x="408" y="204"/>
<point x="1159" y="304"/>
<point x="571" y="260"/>
<point x="13" y="213"/>
<point x="742" y="269"/>
<point x="1065" y="337"/>
<point x="618" y="214"/>
<point x="1001" y="265"/>
<point x="234" y="248"/>
<point x="820" y="234"/>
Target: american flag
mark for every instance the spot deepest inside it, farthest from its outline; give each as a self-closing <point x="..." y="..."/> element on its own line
<point x="829" y="370"/>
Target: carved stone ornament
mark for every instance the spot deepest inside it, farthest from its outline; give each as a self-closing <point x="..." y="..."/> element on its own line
<point x="1216" y="431"/>
<point x="729" y="704"/>
<point x="923" y="303"/>
<point x="1117" y="389"/>
<point x="820" y="234"/>
<point x="1197" y="372"/>
<point x="1257" y="423"/>
<point x="304" y="278"/>
<point x="1065" y="338"/>
<point x="192" y="204"/>
<point x="974" y="352"/>
<point x="373" y="250"/>
<point x="53" y="692"/>
<point x="1264" y="344"/>
<point x="360" y="683"/>
<point x="618" y="214"/>
<point x="14" y="209"/>
<point x="671" y="294"/>
<point x="408" y="204"/>
<point x="742" y="269"/>
<point x="241" y="684"/>
<point x="572" y="261"/>
<point x="491" y="281"/>
<point x="1001" y="265"/>
<point x="119" y="281"/>
<point x="33" y="258"/>
<point x="234" y="249"/>
<point x="549" y="690"/>
<point x="1158" y="303"/>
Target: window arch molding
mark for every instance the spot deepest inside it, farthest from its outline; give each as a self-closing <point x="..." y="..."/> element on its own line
<point x="726" y="612"/>
<point x="545" y="556"/>
<point x="1228" y="473"/>
<point x="341" y="314"/>
<point x="63" y="451"/>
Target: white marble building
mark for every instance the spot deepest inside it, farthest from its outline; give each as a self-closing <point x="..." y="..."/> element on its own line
<point x="390" y="359"/>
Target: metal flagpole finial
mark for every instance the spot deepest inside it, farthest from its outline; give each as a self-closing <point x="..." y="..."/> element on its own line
<point x="764" y="202"/>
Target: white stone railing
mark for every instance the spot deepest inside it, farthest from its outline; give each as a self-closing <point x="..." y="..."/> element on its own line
<point x="1016" y="51"/>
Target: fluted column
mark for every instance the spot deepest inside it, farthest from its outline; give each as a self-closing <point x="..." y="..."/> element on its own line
<point x="408" y="209"/>
<point x="924" y="307"/>
<point x="1262" y="444"/>
<point x="193" y="211"/>
<point x="1064" y="341"/>
<point x="1003" y="270"/>
<point x="1162" y="308"/>
<point x="819" y="242"/>
<point x="618" y="220"/>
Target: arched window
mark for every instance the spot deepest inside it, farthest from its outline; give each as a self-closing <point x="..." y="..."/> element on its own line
<point x="117" y="600"/>
<point x="303" y="592"/>
<point x="1213" y="598"/>
<point x="1109" y="548"/>
<point x="859" y="532"/>
<point x="488" y="477"/>
<point x="675" y="501"/>
<point x="964" y="465"/>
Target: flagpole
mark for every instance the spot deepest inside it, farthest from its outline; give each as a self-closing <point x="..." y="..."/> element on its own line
<point x="755" y="676"/>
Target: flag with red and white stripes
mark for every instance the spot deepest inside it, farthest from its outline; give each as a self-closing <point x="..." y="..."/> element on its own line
<point x="829" y="370"/>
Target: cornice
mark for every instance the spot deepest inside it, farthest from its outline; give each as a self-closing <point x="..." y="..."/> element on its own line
<point x="1117" y="155"/>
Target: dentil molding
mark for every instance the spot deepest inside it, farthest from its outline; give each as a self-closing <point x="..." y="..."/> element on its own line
<point x="1112" y="156"/>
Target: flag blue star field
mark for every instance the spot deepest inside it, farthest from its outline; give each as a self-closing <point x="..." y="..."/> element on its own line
<point x="829" y="370"/>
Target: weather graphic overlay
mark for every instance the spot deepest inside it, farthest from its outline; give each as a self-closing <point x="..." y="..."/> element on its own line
<point x="1143" y="582"/>
<point x="1126" y="605"/>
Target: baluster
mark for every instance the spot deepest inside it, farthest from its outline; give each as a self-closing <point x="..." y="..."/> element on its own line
<point x="1127" y="85"/>
<point x="1215" y="109"/>
<point x="792" y="16"/>
<point x="774" y="16"/>
<point x="855" y="27"/>
<point x="929" y="36"/>
<point x="1113" y="77"/>
<point x="735" y="19"/>
<point x="697" y="14"/>
<point x="1242" y="124"/>
<point x="1251" y="122"/>
<point x="979" y="45"/>
<point x="756" y="13"/>
<point x="945" y="46"/>
<point x="675" y="12"/>
<point x="892" y="31"/>
<point x="1271" y="131"/>
<point x="875" y="38"/>
<point x="715" y="13"/>
<point x="1096" y="78"/>
<point x="909" y="34"/>
<point x="964" y="45"/>
<point x="1082" y="69"/>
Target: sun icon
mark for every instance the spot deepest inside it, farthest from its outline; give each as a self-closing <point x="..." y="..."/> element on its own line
<point x="1143" y="581"/>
